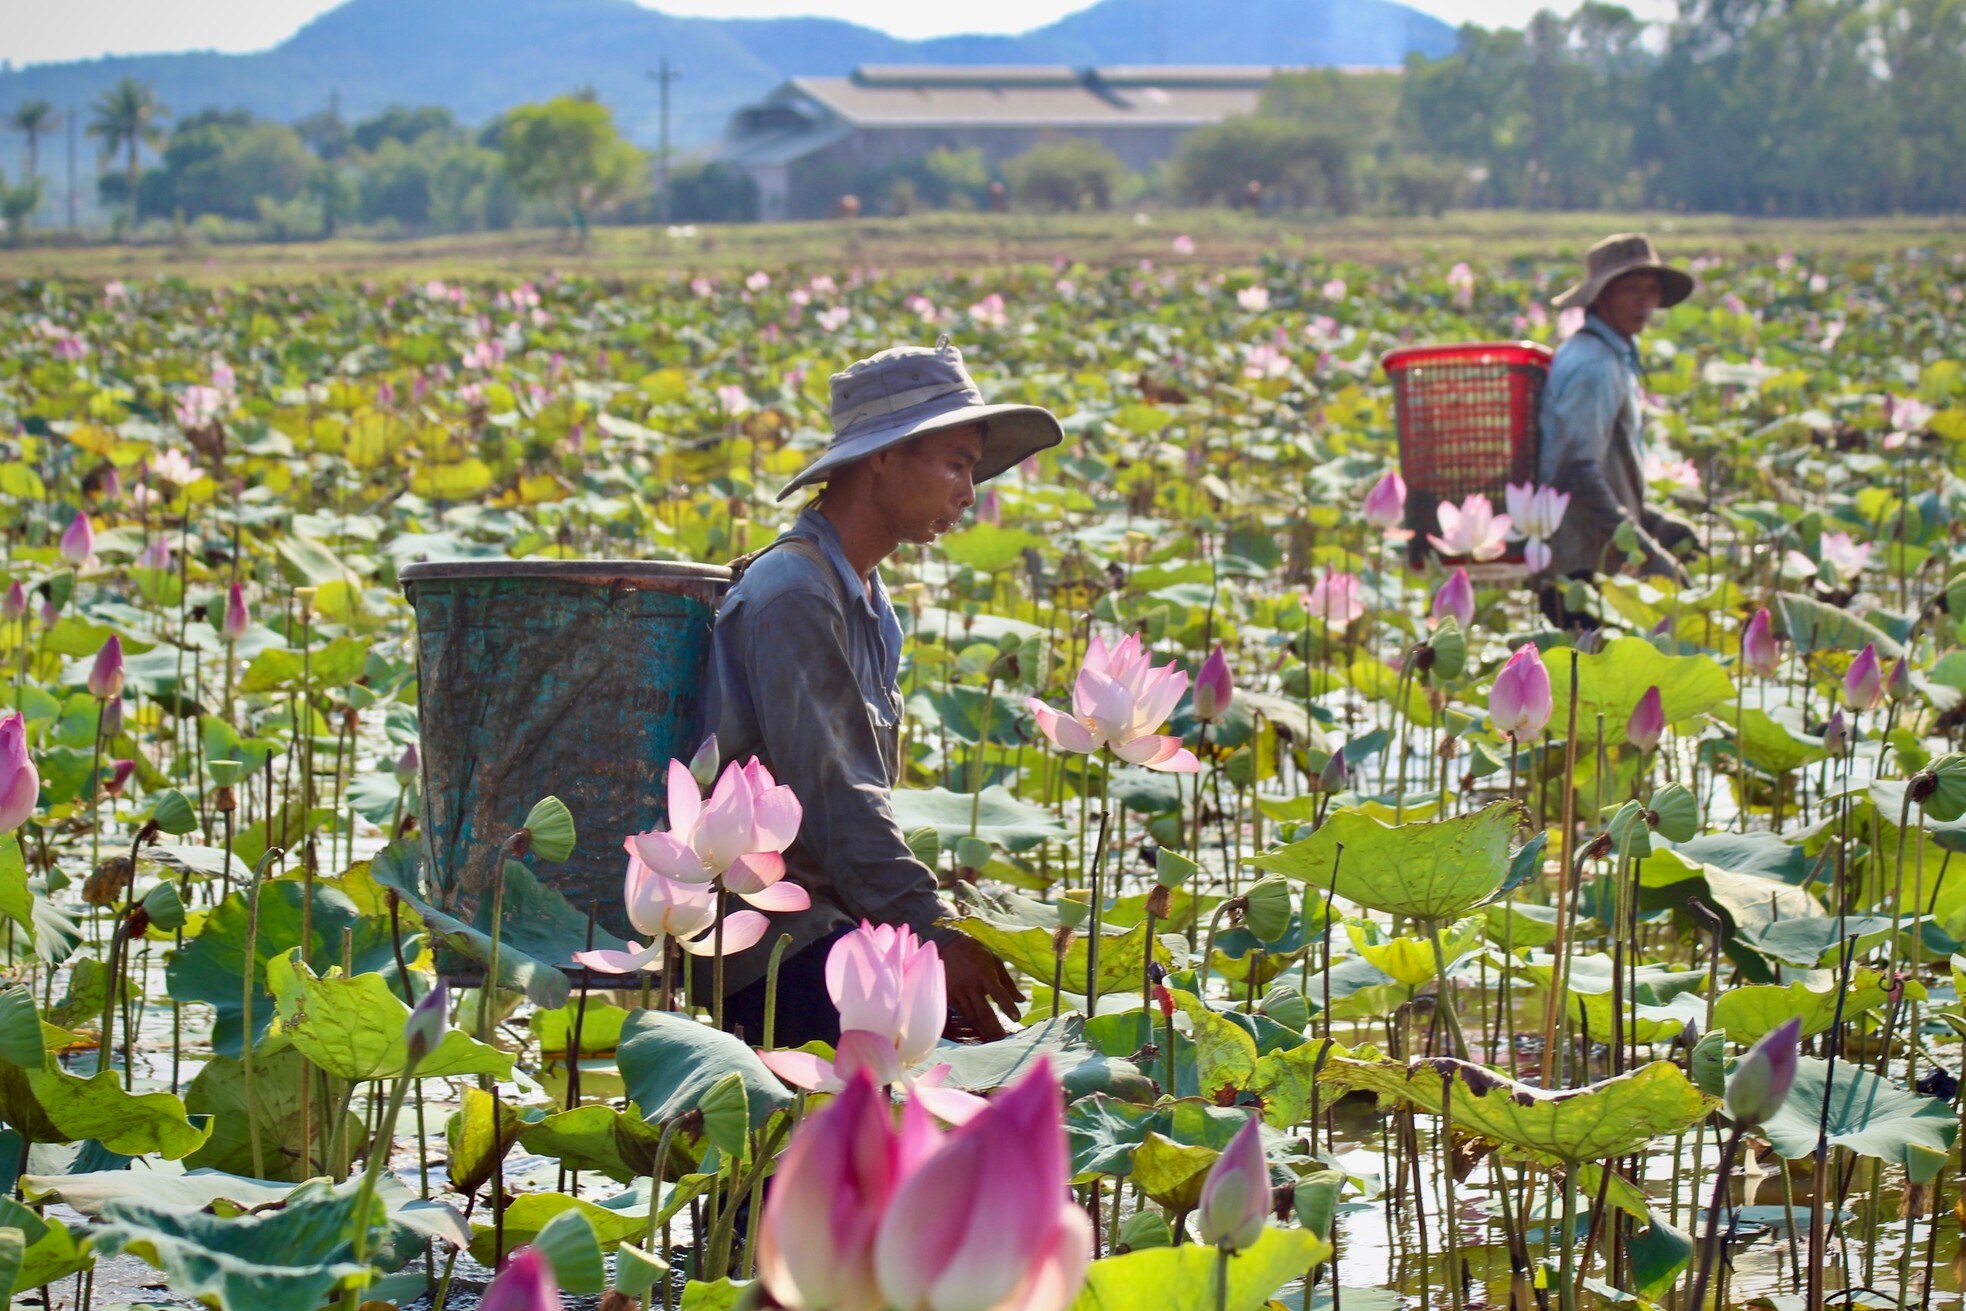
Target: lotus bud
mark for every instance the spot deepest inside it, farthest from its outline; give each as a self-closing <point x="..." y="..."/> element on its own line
<point x="156" y="555"/>
<point x="1898" y="686"/>
<point x="1519" y="704"/>
<point x="78" y="541"/>
<point x="427" y="1023"/>
<point x="703" y="766"/>
<point x="408" y="766"/>
<point x="1214" y="688"/>
<point x="525" y="1284"/>
<point x="233" y="626"/>
<point x="1335" y="774"/>
<point x="119" y="776"/>
<point x="1836" y="734"/>
<point x="1385" y="504"/>
<point x="1456" y="598"/>
<point x="1863" y="684"/>
<point x="112" y="717"/>
<point x="50" y="612"/>
<point x="14" y="606"/>
<point x="1235" y="1200"/>
<point x="1761" y="654"/>
<point x="1648" y="721"/>
<point x="1760" y="1083"/>
<point x="106" y="676"/>
<point x="20" y="782"/>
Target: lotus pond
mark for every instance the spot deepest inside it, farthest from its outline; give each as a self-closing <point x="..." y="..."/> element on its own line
<point x="1486" y="965"/>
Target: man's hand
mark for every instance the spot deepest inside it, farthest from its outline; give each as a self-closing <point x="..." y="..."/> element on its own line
<point x="975" y="978"/>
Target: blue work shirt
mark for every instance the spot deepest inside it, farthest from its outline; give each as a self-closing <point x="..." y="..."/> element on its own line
<point x="804" y="674"/>
<point x="1593" y="447"/>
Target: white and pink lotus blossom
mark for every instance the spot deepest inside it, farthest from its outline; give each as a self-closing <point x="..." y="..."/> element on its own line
<point x="1845" y="556"/>
<point x="1335" y="599"/>
<point x="1254" y="299"/>
<point x="663" y="908"/>
<point x="1471" y="529"/>
<point x="198" y="405"/>
<point x="1121" y="699"/>
<point x="1385" y="505"/>
<point x="1535" y="512"/>
<point x="739" y="835"/>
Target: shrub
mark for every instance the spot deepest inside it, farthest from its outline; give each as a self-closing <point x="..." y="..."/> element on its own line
<point x="1065" y="175"/>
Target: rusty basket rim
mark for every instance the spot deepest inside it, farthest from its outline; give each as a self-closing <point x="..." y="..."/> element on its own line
<point x="578" y="571"/>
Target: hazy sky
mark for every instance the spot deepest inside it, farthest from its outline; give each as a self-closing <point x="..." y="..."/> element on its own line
<point x="33" y="32"/>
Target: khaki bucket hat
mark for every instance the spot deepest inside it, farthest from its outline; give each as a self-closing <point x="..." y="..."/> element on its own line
<point x="910" y="391"/>
<point x="1612" y="258"/>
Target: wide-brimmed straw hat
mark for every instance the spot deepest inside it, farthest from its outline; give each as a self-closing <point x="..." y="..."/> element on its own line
<point x="911" y="391"/>
<point x="1612" y="258"/>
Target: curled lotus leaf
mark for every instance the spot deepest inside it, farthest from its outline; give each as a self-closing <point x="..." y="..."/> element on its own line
<point x="1614" y="1117"/>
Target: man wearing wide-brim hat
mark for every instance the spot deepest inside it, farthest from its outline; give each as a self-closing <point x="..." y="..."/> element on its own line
<point x="1593" y="439"/>
<point x="804" y="665"/>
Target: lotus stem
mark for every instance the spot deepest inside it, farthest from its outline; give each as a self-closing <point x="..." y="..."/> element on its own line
<point x="771" y="999"/>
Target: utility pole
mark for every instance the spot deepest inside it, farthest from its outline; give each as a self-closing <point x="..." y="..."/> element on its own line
<point x="662" y="77"/>
<point x="71" y="169"/>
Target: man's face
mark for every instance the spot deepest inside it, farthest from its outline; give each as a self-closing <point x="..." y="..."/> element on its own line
<point x="926" y="484"/>
<point x="1630" y="301"/>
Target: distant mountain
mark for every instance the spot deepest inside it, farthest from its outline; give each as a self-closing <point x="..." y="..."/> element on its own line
<point x="480" y="56"/>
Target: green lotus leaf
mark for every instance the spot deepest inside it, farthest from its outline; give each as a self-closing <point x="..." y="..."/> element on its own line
<point x="17" y="899"/>
<point x="211" y="966"/>
<point x="1268" y="916"/>
<point x="1750" y="1012"/>
<point x="288" y="1259"/>
<point x="612" y="1223"/>
<point x="21" y="1042"/>
<point x="1171" y="1173"/>
<point x="219" y="1091"/>
<point x="353" y="1027"/>
<point x="1431" y="871"/>
<point x="1184" y="1276"/>
<point x="619" y="1144"/>
<point x="1816" y="626"/>
<point x="1028" y="947"/>
<point x="1614" y="1117"/>
<point x="1001" y="817"/>
<point x="551" y="825"/>
<point x="1867" y="1115"/>
<point x="134" y="1124"/>
<point x="1081" y="1070"/>
<point x="477" y="1137"/>
<point x="600" y="1028"/>
<point x="726" y="1116"/>
<point x="1611" y="682"/>
<point x="1805" y="942"/>
<point x="1411" y="960"/>
<point x="1947" y="800"/>
<point x="174" y="813"/>
<point x="1675" y="813"/>
<point x="671" y="1062"/>
<point x="636" y="1271"/>
<point x="1770" y="744"/>
<point x="570" y="1247"/>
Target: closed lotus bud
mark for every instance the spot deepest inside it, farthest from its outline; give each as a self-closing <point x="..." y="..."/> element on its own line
<point x="1898" y="686"/>
<point x="1335" y="774"/>
<point x="427" y="1023"/>
<point x="1863" y="684"/>
<point x="119" y="776"/>
<point x="112" y="717"/>
<point x="50" y="613"/>
<point x="106" y="675"/>
<point x="1456" y="598"/>
<point x="1214" y="688"/>
<point x="233" y="626"/>
<point x="1761" y="1081"/>
<point x="1648" y="721"/>
<point x="1385" y="504"/>
<point x="1836" y="734"/>
<point x="1519" y="703"/>
<point x="1235" y="1199"/>
<point x="408" y="766"/>
<point x="20" y="782"/>
<point x="15" y="605"/>
<point x="1761" y="654"/>
<point x="703" y="766"/>
<point x="78" y="541"/>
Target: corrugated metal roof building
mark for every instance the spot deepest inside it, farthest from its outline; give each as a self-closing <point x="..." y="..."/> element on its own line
<point x="805" y="143"/>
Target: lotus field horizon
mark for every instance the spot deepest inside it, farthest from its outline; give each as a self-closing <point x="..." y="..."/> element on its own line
<point x="1382" y="946"/>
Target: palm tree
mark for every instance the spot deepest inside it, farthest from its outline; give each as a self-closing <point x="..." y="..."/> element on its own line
<point x="127" y="116"/>
<point x="32" y="119"/>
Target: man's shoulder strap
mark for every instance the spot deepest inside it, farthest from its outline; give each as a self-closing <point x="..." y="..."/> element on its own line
<point x="804" y="546"/>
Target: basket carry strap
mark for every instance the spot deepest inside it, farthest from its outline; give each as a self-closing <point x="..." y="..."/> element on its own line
<point x="804" y="546"/>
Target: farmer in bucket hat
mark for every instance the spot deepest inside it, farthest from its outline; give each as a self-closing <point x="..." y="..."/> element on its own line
<point x="1593" y="442"/>
<point x="803" y="674"/>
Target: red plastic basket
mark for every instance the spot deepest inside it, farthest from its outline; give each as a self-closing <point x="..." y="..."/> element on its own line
<point x="1468" y="416"/>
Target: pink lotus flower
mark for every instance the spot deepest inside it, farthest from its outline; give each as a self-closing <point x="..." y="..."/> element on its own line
<point x="1535" y="512"/>
<point x="1121" y="699"/>
<point x="1519" y="703"/>
<point x="1455" y="598"/>
<point x="1471" y="529"/>
<point x="78" y="542"/>
<point x="829" y="1194"/>
<point x="1263" y="360"/>
<point x="1863" y="682"/>
<point x="14" y="605"/>
<point x="738" y="836"/>
<point x="1235" y="1198"/>
<point x="1184" y="245"/>
<point x="1647" y="722"/>
<point x="1334" y="598"/>
<point x="20" y="781"/>
<point x="106" y="675"/>
<point x="986" y="1223"/>
<point x="1254" y="299"/>
<point x="1662" y="466"/>
<point x="1536" y="555"/>
<point x="233" y="626"/>
<point x="665" y="908"/>
<point x="1385" y="504"/>
<point x="1761" y="654"/>
<point x="198" y="405"/>
<point x="525" y="1284"/>
<point x="893" y="1000"/>
<point x="1846" y="557"/>
<point x="1215" y="688"/>
<point x="156" y="555"/>
<point x="732" y="400"/>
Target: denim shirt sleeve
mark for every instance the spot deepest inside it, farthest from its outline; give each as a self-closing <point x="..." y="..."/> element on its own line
<point x="1580" y="413"/>
<point x="819" y="735"/>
